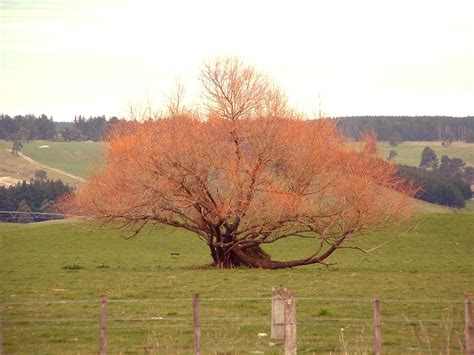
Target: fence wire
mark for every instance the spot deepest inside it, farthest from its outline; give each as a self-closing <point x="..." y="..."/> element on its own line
<point x="221" y="299"/>
<point x="122" y="324"/>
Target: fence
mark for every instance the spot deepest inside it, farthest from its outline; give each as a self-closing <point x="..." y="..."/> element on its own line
<point x="239" y="319"/>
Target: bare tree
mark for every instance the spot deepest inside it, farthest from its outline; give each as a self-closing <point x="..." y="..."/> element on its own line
<point x="175" y="104"/>
<point x="248" y="174"/>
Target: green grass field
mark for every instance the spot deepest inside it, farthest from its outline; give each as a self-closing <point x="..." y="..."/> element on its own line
<point x="53" y="273"/>
<point x="469" y="206"/>
<point x="409" y="153"/>
<point x="77" y="158"/>
<point x="19" y="169"/>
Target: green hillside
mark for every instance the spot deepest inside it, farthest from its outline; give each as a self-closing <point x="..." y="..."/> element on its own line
<point x="409" y="153"/>
<point x="53" y="273"/>
<point x="14" y="168"/>
<point x="76" y="158"/>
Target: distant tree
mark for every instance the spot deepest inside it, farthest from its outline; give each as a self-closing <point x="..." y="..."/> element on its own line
<point x="8" y="202"/>
<point x="92" y="128"/>
<point x="463" y="187"/>
<point x="395" y="139"/>
<point x="469" y="138"/>
<point x="411" y="128"/>
<point x="23" y="134"/>
<point x="7" y="127"/>
<point x="26" y="128"/>
<point x="49" y="207"/>
<point x="392" y="155"/>
<point x="429" y="160"/>
<point x="44" y="128"/>
<point x="469" y="175"/>
<point x="40" y="175"/>
<point x="16" y="147"/>
<point x="25" y="215"/>
<point x="71" y="134"/>
<point x="448" y="138"/>
<point x="34" y="194"/>
<point x="436" y="187"/>
<point x="453" y="167"/>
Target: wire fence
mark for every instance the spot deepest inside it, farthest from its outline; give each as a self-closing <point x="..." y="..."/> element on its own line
<point x="166" y="325"/>
<point x="31" y="216"/>
<point x="220" y="299"/>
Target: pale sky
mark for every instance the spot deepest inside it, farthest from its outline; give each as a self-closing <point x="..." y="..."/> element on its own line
<point x="97" y="57"/>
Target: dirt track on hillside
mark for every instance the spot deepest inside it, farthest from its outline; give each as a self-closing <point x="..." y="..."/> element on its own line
<point x="59" y="171"/>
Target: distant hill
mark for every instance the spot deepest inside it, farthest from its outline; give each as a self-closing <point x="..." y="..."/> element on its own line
<point x="60" y="160"/>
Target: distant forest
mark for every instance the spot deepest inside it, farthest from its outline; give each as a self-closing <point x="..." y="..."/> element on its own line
<point x="38" y="195"/>
<point x="30" y="127"/>
<point x="388" y="128"/>
<point x="410" y="128"/>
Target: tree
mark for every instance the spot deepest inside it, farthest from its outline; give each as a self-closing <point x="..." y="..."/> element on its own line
<point x="23" y="134"/>
<point x="33" y="194"/>
<point x="395" y="139"/>
<point x="411" y="128"/>
<point x="392" y="155"/>
<point x="453" y="167"/>
<point x="429" y="160"/>
<point x="71" y="134"/>
<point x="469" y="136"/>
<point x="469" y="175"/>
<point x="40" y="175"/>
<point x="16" y="147"/>
<point x="25" y="215"/>
<point x="448" y="138"/>
<point x="247" y="174"/>
<point x="436" y="187"/>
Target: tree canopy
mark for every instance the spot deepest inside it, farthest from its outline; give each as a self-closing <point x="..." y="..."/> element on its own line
<point x="247" y="172"/>
<point x="39" y="195"/>
<point x="428" y="159"/>
<point x="436" y="187"/>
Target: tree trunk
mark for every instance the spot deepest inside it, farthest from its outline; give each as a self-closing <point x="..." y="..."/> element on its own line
<point x="256" y="257"/>
<point x="230" y="258"/>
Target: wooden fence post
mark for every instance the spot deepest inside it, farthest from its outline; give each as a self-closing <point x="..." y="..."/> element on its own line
<point x="290" y="325"/>
<point x="102" y="324"/>
<point x="1" y="335"/>
<point x="377" y="327"/>
<point x="469" y="325"/>
<point x="197" y="325"/>
<point x="279" y="296"/>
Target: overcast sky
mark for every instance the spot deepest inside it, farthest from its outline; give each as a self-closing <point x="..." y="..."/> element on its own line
<point x="71" y="57"/>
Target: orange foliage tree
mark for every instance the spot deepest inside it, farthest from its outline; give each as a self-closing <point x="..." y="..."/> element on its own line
<point x="246" y="173"/>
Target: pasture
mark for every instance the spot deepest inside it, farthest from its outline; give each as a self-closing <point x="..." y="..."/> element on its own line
<point x="53" y="273"/>
<point x="77" y="158"/>
<point x="409" y="153"/>
<point x="14" y="169"/>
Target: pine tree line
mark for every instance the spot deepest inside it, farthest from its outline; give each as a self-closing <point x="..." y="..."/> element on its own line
<point x="39" y="195"/>
<point x="31" y="127"/>
<point x="410" y="128"/>
<point x="402" y="128"/>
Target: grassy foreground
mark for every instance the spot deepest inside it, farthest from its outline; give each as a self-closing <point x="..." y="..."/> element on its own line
<point x="421" y="278"/>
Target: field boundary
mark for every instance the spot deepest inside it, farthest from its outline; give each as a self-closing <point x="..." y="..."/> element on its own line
<point x="283" y="317"/>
